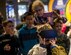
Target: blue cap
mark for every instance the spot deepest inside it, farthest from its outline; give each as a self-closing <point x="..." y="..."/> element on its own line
<point x="48" y="34"/>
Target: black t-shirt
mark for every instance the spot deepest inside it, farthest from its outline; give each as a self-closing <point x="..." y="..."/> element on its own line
<point x="12" y="41"/>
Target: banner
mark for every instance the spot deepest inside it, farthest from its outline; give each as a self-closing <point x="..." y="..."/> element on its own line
<point x="68" y="11"/>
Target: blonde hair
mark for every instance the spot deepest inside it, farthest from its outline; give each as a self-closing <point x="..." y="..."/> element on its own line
<point x="37" y="3"/>
<point x="44" y="27"/>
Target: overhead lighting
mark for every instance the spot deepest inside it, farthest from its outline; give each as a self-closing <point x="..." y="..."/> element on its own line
<point x="18" y="0"/>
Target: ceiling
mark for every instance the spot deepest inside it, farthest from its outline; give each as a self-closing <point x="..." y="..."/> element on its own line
<point x="27" y="1"/>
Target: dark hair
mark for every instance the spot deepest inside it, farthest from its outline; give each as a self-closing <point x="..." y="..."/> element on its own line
<point x="56" y="11"/>
<point x="1" y="19"/>
<point x="26" y="14"/>
<point x="6" y="22"/>
<point x="57" y="21"/>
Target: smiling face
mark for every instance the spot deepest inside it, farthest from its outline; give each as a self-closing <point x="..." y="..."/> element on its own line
<point x="39" y="12"/>
<point x="29" y="20"/>
<point x="9" y="27"/>
<point x="58" y="27"/>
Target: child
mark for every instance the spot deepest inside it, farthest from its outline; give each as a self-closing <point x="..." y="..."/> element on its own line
<point x="28" y="33"/>
<point x="47" y="44"/>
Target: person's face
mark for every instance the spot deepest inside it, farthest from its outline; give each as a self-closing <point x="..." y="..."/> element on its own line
<point x="29" y="20"/>
<point x="44" y="41"/>
<point x="39" y="12"/>
<point x="58" y="27"/>
<point x="9" y="28"/>
<point x="50" y="41"/>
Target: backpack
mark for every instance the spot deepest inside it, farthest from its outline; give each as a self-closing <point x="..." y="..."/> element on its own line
<point x="59" y="50"/>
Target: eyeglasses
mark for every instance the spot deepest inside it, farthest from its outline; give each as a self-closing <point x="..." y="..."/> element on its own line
<point x="30" y="19"/>
<point x="38" y="10"/>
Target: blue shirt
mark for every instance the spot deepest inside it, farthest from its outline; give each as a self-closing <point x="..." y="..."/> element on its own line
<point x="28" y="38"/>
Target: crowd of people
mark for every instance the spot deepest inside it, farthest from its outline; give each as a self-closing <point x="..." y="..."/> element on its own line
<point x="39" y="33"/>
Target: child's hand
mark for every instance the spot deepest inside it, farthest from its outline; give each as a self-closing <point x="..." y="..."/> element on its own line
<point x="53" y="42"/>
<point x="7" y="47"/>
